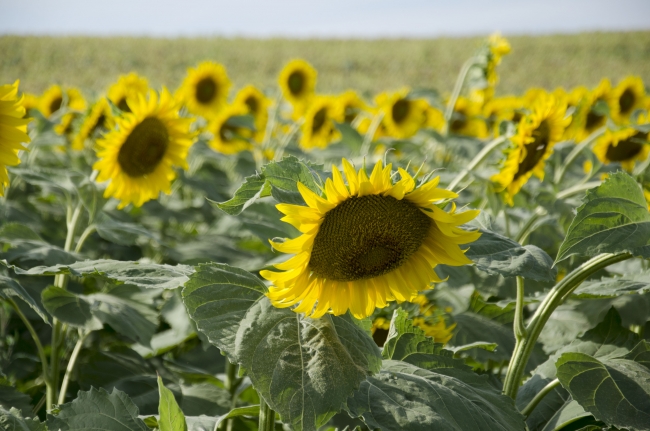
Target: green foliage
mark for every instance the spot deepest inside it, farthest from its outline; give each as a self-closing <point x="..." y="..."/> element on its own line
<point x="13" y="420"/>
<point x="171" y="418"/>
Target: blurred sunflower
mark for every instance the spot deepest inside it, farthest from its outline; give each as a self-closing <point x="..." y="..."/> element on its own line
<point x="298" y="82"/>
<point x="598" y="105"/>
<point x="432" y="321"/>
<point x="628" y="96"/>
<point x="576" y="101"/>
<point x="126" y="87"/>
<point x="139" y="155"/>
<point x="499" y="47"/>
<point x="403" y="117"/>
<point x="507" y="108"/>
<point x="205" y="89"/>
<point x="537" y="133"/>
<point x="258" y="106"/>
<point x="625" y="146"/>
<point x="99" y="117"/>
<point x="434" y="118"/>
<point x="352" y="105"/>
<point x="13" y="130"/>
<point x="54" y="98"/>
<point x="319" y="129"/>
<point x="227" y="136"/>
<point x="366" y="243"/>
<point x="466" y="119"/>
<point x="30" y="101"/>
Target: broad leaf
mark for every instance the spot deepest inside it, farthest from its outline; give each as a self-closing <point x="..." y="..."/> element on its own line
<point x="304" y="368"/>
<point x="568" y="412"/>
<point x="640" y="354"/>
<point x="119" y="232"/>
<point x="13" y="420"/>
<point x="613" y="219"/>
<point x="610" y="287"/>
<point x="496" y="254"/>
<point x="70" y="308"/>
<point x="10" y="397"/>
<point x="171" y="418"/>
<point x="10" y="287"/>
<point x="29" y="249"/>
<point x="98" y="410"/>
<point x="616" y="392"/>
<point x="253" y="188"/>
<point x="404" y="397"/>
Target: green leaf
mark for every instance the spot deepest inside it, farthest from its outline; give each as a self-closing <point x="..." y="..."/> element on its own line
<point x="10" y="397"/>
<point x="70" y="308"/>
<point x="10" y="287"/>
<point x="120" y="232"/>
<point x="568" y="413"/>
<point x="404" y="397"/>
<point x="496" y="254"/>
<point x="640" y="354"/>
<point x="613" y="219"/>
<point x="288" y="172"/>
<point x="148" y="275"/>
<point x="304" y="368"/>
<point x="240" y="411"/>
<point x="610" y="287"/>
<point x="171" y="418"/>
<point x="254" y="187"/>
<point x="409" y="344"/>
<point x="98" y="410"/>
<point x="616" y="392"/>
<point x="28" y="248"/>
<point x="13" y="420"/>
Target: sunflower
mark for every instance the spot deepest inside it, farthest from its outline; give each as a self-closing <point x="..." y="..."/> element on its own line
<point x="629" y="96"/>
<point x="507" y="108"/>
<point x="205" y="89"/>
<point x="126" y="87"/>
<point x="227" y="136"/>
<point x="403" y="117"/>
<point x="298" y="83"/>
<point x="432" y="321"/>
<point x="537" y="133"/>
<point x="434" y="118"/>
<point x="99" y="117"/>
<point x="257" y="105"/>
<point x="13" y="130"/>
<point x="139" y="155"/>
<point x="576" y="101"/>
<point x="54" y="98"/>
<point x="594" y="114"/>
<point x="30" y="101"/>
<point x="352" y="105"/>
<point x="466" y="119"/>
<point x="319" y="128"/>
<point x="625" y="146"/>
<point x="367" y="243"/>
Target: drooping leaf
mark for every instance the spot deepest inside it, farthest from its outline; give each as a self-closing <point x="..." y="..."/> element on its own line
<point x="613" y="219"/>
<point x="253" y="188"/>
<point x="13" y="420"/>
<point x="171" y="417"/>
<point x="569" y="412"/>
<point x="304" y="368"/>
<point x="98" y="410"/>
<point x="240" y="411"/>
<point x="148" y="275"/>
<point x="640" y="354"/>
<point x="610" y="287"/>
<point x="120" y="232"/>
<point x="70" y="308"/>
<point x="616" y="392"/>
<point x="496" y="254"/>
<point x="10" y="287"/>
<point x="404" y="397"/>
<point x="27" y="248"/>
<point x="409" y="344"/>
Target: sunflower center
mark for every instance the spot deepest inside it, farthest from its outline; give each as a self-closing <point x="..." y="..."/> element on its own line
<point x="55" y="104"/>
<point x="595" y="119"/>
<point x="401" y="110"/>
<point x="319" y="120"/>
<point x="365" y="237"/>
<point x="626" y="102"/>
<point x="206" y="89"/>
<point x="535" y="150"/>
<point x="144" y="148"/>
<point x="124" y="107"/>
<point x="101" y="120"/>
<point x="296" y="82"/>
<point x="627" y="149"/>
<point x="253" y="105"/>
<point x="458" y="122"/>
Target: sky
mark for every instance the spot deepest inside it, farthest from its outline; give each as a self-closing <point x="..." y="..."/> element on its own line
<point x="322" y="19"/>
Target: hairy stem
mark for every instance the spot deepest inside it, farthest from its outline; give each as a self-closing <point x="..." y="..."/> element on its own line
<point x="476" y="161"/>
<point x="545" y="391"/>
<point x="267" y="417"/>
<point x="518" y="324"/>
<point x="71" y="364"/>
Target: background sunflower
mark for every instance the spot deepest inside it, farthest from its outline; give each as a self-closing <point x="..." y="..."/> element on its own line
<point x="297" y="81"/>
<point x="205" y="89"/>
<point x="13" y="128"/>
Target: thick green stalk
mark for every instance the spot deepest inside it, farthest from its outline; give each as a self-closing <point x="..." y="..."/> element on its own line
<point x="558" y="294"/>
<point x="70" y="367"/>
<point x="231" y="384"/>
<point x="476" y="161"/>
<point x="267" y="417"/>
<point x="518" y="324"/>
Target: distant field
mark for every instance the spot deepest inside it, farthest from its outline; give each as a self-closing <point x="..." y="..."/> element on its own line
<point x="366" y="65"/>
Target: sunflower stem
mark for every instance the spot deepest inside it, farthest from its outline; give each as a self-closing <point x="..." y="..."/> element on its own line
<point x="267" y="417"/>
<point x="557" y="295"/>
<point x="518" y="324"/>
<point x="286" y="139"/>
<point x="482" y="155"/>
<point x="539" y="397"/>
<point x="372" y="129"/>
<point x="559" y="175"/>
<point x="456" y="91"/>
<point x="70" y="367"/>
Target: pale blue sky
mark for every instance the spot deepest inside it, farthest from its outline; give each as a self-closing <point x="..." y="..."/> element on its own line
<point x="323" y="18"/>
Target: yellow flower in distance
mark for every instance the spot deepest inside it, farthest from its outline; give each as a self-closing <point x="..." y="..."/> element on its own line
<point x="298" y="82"/>
<point x="625" y="146"/>
<point x="591" y="117"/>
<point x="351" y="105"/>
<point x="13" y="130"/>
<point x="127" y="87"/>
<point x="99" y="117"/>
<point x="319" y="129"/>
<point x="258" y="106"/>
<point x="466" y="119"/>
<point x="537" y="133"/>
<point x="628" y="96"/>
<point x="403" y="117"/>
<point x="138" y="156"/>
<point x="30" y="101"/>
<point x="54" y="98"/>
<point x="507" y="108"/>
<point x="205" y="89"/>
<point x="366" y="243"/>
<point x="227" y="136"/>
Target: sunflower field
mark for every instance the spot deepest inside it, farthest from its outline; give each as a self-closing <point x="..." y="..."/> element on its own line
<point x="283" y="259"/>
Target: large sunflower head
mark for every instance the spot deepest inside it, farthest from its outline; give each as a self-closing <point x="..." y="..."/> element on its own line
<point x="403" y="117"/>
<point x="228" y="137"/>
<point x="319" y="128"/>
<point x="628" y="96"/>
<point x="13" y="130"/>
<point x="298" y="83"/>
<point x="466" y="119"/>
<point x="127" y="87"/>
<point x="205" y="89"/>
<point x="537" y="133"/>
<point x="138" y="156"/>
<point x="99" y="117"/>
<point x="366" y="243"/>
<point x="625" y="146"/>
<point x="257" y="105"/>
